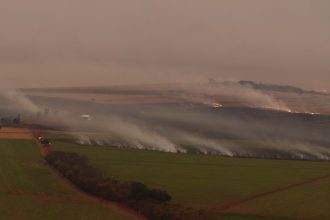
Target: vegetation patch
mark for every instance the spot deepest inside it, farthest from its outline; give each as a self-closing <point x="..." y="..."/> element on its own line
<point x="153" y="203"/>
<point x="211" y="182"/>
<point x="28" y="189"/>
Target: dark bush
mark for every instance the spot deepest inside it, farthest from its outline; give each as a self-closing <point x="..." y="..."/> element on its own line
<point x="160" y="195"/>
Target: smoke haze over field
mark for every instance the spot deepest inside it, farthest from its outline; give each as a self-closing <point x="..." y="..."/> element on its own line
<point x="79" y="42"/>
<point x="181" y="44"/>
<point x="192" y="125"/>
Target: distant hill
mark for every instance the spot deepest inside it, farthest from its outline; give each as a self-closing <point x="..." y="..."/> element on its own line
<point x="170" y="89"/>
<point x="277" y="88"/>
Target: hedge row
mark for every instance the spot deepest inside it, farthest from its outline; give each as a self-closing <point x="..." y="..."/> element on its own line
<point x="152" y="203"/>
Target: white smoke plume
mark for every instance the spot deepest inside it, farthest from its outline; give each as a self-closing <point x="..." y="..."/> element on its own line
<point x="205" y="145"/>
<point x="137" y="135"/>
<point x="15" y="99"/>
<point x="234" y="93"/>
<point x="197" y="127"/>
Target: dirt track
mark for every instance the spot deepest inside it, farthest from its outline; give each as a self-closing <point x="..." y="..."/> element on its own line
<point x="15" y="133"/>
<point x="23" y="133"/>
<point x="44" y="150"/>
<point x="281" y="189"/>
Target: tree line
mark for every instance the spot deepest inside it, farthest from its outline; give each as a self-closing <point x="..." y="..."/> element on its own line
<point x="153" y="203"/>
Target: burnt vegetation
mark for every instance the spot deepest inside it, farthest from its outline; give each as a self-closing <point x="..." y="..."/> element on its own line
<point x="153" y="203"/>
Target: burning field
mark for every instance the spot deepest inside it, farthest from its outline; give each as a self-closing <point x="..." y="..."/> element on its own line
<point x="229" y="120"/>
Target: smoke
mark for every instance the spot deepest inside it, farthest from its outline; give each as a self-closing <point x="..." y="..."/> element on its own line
<point x="171" y="139"/>
<point x="240" y="137"/>
<point x="14" y="99"/>
<point x="162" y="41"/>
<point x="254" y="42"/>
<point x="192" y="125"/>
<point x="139" y="135"/>
<point x="234" y="93"/>
<point x="204" y="145"/>
<point x="128" y="132"/>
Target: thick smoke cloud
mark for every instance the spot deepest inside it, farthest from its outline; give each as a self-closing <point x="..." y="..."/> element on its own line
<point x="80" y="42"/>
<point x="15" y="100"/>
<point x="104" y="42"/>
<point x="194" y="125"/>
<point x="209" y="94"/>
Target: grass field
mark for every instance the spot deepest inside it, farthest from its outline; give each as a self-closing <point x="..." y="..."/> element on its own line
<point x="310" y="201"/>
<point x="28" y="189"/>
<point x="229" y="216"/>
<point x="211" y="182"/>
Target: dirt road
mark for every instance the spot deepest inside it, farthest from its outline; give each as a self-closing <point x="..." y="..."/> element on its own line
<point x="15" y="133"/>
<point x="261" y="195"/>
<point x="27" y="134"/>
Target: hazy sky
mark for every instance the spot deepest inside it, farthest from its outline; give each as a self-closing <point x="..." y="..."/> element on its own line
<point x="101" y="42"/>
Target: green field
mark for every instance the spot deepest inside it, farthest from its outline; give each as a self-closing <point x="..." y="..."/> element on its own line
<point x="309" y="201"/>
<point x="210" y="182"/>
<point x="29" y="190"/>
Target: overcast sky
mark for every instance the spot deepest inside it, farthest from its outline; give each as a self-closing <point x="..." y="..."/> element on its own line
<point x="104" y="42"/>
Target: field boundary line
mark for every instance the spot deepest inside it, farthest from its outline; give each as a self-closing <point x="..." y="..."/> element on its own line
<point x="277" y="190"/>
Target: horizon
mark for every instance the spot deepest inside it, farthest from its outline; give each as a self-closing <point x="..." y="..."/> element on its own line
<point x="124" y="42"/>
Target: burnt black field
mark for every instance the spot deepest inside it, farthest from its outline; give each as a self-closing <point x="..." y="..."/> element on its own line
<point x="239" y="131"/>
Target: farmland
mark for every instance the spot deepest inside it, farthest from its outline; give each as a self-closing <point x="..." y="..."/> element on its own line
<point x="165" y="110"/>
<point x="192" y="126"/>
<point x="29" y="190"/>
<point x="230" y="188"/>
<point x="218" y="183"/>
<point x="241" y="185"/>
